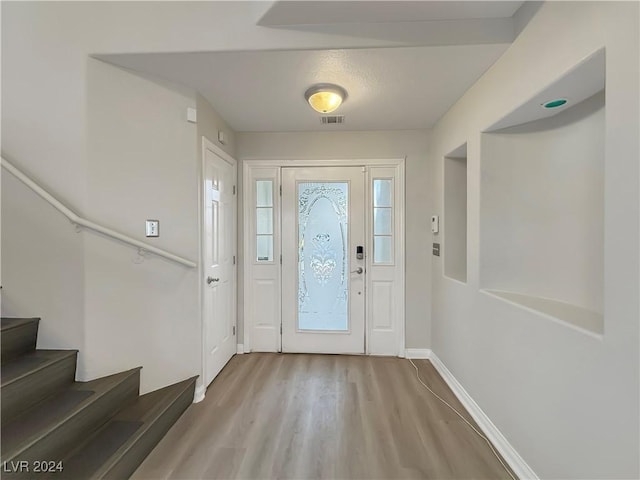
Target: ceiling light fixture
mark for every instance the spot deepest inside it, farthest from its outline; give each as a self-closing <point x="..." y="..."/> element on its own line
<point x="555" y="103"/>
<point x="325" y="97"/>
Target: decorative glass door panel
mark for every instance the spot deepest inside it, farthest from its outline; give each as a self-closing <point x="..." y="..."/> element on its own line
<point x="323" y="256"/>
<point x="323" y="281"/>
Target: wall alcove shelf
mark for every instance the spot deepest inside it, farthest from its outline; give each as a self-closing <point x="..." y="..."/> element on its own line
<point x="542" y="201"/>
<point x="455" y="214"/>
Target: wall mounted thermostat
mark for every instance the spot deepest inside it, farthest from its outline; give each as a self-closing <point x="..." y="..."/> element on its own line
<point x="435" y="224"/>
<point x="153" y="228"/>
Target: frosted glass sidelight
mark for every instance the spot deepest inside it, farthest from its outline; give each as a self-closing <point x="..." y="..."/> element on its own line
<point x="264" y="248"/>
<point x="382" y="192"/>
<point x="382" y="221"/>
<point x="323" y="256"/>
<point x="382" y="249"/>
<point x="264" y="193"/>
<point x="264" y="221"/>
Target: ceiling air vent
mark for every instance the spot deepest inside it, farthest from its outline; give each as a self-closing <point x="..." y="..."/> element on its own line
<point x="332" y="119"/>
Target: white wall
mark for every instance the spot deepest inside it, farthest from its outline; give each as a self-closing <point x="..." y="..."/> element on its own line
<point x="209" y="123"/>
<point x="42" y="256"/>
<point x="367" y="145"/>
<point x="42" y="267"/>
<point x="142" y="164"/>
<point x="566" y="401"/>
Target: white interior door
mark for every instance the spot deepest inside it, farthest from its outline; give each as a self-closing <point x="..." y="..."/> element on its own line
<point x="323" y="281"/>
<point x="219" y="256"/>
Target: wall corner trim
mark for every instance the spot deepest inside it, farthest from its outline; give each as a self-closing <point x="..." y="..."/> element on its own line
<point x="240" y="349"/>
<point x="522" y="470"/>
<point x="418" y="353"/>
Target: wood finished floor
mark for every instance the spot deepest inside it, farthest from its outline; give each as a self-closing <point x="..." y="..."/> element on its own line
<point x="322" y="416"/>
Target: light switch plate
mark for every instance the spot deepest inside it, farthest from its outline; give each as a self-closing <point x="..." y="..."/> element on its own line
<point x="153" y="228"/>
<point x="192" y="115"/>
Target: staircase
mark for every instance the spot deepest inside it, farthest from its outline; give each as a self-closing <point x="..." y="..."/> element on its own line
<point x="55" y="427"/>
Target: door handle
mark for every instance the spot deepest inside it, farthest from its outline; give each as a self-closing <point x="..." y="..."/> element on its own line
<point x="358" y="270"/>
<point x="210" y="280"/>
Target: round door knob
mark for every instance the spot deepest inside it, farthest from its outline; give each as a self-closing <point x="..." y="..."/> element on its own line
<point x="210" y="280"/>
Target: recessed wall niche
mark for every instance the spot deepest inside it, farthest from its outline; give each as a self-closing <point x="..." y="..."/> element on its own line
<point x="542" y="201"/>
<point x="455" y="214"/>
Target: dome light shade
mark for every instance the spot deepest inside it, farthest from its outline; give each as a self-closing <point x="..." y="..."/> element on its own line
<point x="325" y="97"/>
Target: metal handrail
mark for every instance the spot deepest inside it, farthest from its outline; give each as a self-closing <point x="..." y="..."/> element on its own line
<point x="82" y="222"/>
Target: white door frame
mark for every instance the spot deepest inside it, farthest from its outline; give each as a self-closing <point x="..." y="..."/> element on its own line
<point x="201" y="386"/>
<point x="250" y="163"/>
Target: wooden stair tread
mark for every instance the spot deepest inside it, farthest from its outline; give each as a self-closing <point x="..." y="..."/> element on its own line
<point x="18" y="336"/>
<point x="149" y="405"/>
<point x="40" y="418"/>
<point x="97" y="457"/>
<point x="37" y="422"/>
<point x="8" y="323"/>
<point x="97" y="451"/>
<point x="29" y="363"/>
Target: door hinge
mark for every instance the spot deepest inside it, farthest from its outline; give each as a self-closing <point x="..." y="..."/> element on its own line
<point x="234" y="259"/>
<point x="280" y="259"/>
<point x="280" y="329"/>
<point x="234" y="189"/>
<point x="280" y="190"/>
<point x="234" y="329"/>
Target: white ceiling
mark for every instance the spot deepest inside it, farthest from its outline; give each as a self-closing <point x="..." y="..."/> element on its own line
<point x="390" y="88"/>
<point x="327" y="12"/>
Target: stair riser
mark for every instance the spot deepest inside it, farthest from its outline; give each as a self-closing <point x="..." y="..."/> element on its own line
<point x="26" y="392"/>
<point x="132" y="459"/>
<point x="19" y="340"/>
<point x="77" y="429"/>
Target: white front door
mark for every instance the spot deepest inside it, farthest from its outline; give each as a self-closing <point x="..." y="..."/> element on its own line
<point x="219" y="265"/>
<point x="323" y="280"/>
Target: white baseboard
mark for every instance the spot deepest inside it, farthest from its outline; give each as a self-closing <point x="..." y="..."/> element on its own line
<point x="198" y="395"/>
<point x="417" y="353"/>
<point x="240" y="349"/>
<point x="502" y="445"/>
